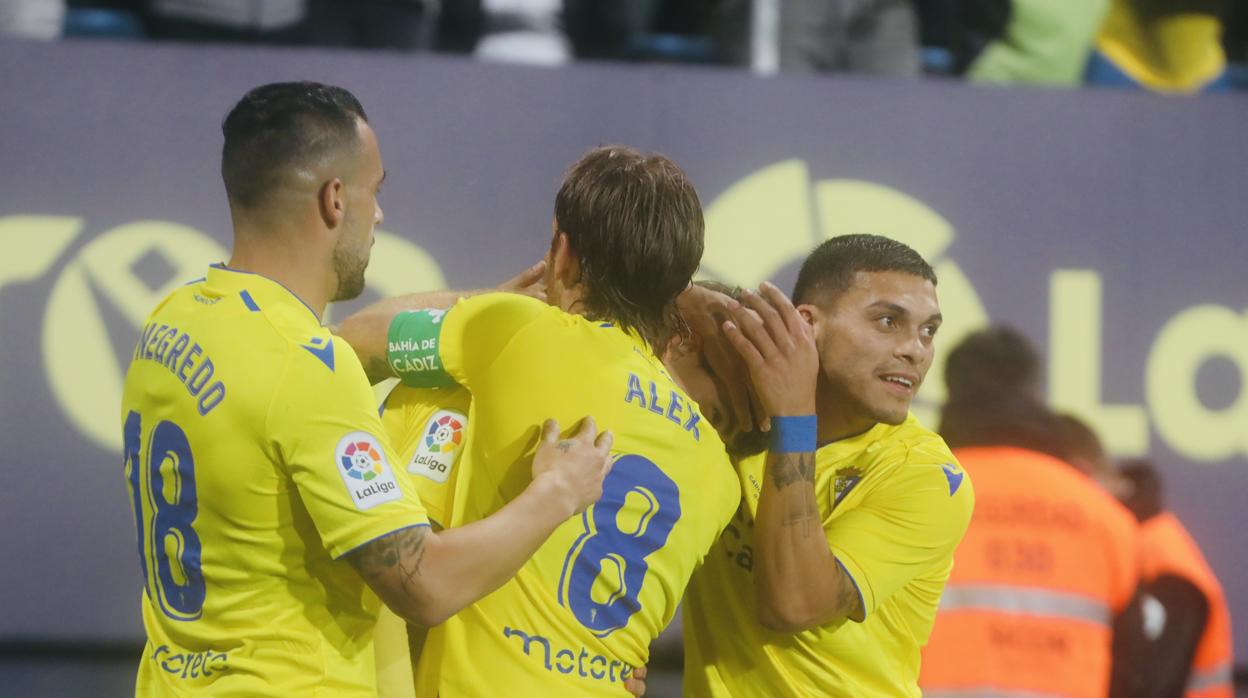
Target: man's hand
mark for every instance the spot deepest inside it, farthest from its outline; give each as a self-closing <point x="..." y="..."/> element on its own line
<point x="574" y="466"/>
<point x="636" y="684"/>
<point x="778" y="348"/>
<point x="530" y="282"/>
<point x="704" y="310"/>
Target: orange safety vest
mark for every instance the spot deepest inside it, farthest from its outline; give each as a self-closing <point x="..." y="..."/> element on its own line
<point x="1048" y="561"/>
<point x="1167" y="548"/>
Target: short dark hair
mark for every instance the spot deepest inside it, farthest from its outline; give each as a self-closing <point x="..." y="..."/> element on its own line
<point x="993" y="379"/>
<point x="282" y="125"/>
<point x="1078" y="440"/>
<point x="1147" y="495"/>
<point x="830" y="269"/>
<point x="992" y="362"/>
<point x="635" y="225"/>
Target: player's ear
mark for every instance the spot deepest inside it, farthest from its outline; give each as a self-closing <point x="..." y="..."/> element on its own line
<point x="810" y="313"/>
<point x="332" y="203"/>
<point x="566" y="267"/>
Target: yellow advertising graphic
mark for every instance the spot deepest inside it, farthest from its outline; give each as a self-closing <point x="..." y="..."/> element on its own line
<point x="761" y="225"/>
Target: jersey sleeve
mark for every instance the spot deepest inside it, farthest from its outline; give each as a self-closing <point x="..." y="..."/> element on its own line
<point x="434" y="348"/>
<point x="902" y="530"/>
<point x="326" y="431"/>
<point x="428" y="428"/>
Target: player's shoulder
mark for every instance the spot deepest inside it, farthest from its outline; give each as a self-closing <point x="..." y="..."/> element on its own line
<point x="908" y="445"/>
<point x="502" y="303"/>
<point x="406" y="406"/>
<point x="918" y="461"/>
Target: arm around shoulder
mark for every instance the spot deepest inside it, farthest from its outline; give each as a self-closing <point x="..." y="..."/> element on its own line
<point x="427" y="577"/>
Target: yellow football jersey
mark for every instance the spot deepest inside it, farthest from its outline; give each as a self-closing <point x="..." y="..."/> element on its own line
<point x="255" y="459"/>
<point x="427" y="427"/>
<point x="581" y="614"/>
<point x="894" y="503"/>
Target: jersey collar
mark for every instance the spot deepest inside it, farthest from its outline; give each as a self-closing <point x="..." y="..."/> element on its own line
<point x="258" y="285"/>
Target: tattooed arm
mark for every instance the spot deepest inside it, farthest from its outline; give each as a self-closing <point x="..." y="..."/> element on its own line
<point x="798" y="582"/>
<point x="427" y="577"/>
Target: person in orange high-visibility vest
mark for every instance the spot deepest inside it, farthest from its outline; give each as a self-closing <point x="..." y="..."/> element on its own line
<point x="1050" y="561"/>
<point x="1181" y="645"/>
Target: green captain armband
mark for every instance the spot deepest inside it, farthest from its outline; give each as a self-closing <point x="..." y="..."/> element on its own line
<point x="412" y="349"/>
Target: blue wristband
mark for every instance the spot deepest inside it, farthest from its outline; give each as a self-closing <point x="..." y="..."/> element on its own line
<point x="794" y="434"/>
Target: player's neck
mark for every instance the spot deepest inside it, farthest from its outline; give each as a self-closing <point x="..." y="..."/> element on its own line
<point x="836" y="421"/>
<point x="296" y="267"/>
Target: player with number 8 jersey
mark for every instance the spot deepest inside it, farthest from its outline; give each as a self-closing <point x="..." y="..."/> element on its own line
<point x="582" y="613"/>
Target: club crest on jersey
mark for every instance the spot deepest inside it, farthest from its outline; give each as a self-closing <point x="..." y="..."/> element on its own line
<point x="440" y="446"/>
<point x="362" y="464"/>
<point x="845" y="480"/>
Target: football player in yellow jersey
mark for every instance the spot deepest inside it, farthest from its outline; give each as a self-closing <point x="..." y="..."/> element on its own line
<point x="255" y="460"/>
<point x="580" y="616"/>
<point x="827" y="581"/>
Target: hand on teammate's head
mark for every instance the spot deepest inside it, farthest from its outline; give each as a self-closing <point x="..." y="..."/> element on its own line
<point x="704" y="310"/>
<point x="530" y="282"/>
<point x="778" y="347"/>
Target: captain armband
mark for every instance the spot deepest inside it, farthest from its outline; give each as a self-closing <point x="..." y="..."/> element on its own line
<point x="412" y="349"/>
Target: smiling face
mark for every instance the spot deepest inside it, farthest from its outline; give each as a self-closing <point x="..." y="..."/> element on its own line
<point x="875" y="347"/>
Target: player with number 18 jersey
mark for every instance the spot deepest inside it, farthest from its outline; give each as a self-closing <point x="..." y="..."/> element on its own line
<point x="581" y="614"/>
<point x="255" y="460"/>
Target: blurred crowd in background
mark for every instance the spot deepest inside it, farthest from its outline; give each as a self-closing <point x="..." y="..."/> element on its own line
<point x="1168" y="46"/>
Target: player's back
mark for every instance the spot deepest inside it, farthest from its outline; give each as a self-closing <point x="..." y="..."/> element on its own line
<point x="581" y="614"/>
<point x="1049" y="559"/>
<point x="236" y="534"/>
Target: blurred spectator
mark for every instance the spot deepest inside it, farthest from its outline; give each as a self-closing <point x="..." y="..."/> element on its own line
<point x="1015" y="41"/>
<point x="244" y="21"/>
<point x="1049" y="562"/>
<point x="606" y="29"/>
<point x="523" y="31"/>
<point x="1171" y="46"/>
<point x="1236" y="38"/>
<point x="1180" y="642"/>
<point x="396" y="24"/>
<point x="32" y="19"/>
<point x="640" y="30"/>
<point x="878" y="37"/>
<point x="1083" y="449"/>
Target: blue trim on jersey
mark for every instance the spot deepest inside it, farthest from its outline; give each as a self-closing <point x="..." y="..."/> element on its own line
<point x="249" y="301"/>
<point x="324" y="353"/>
<point x="222" y="267"/>
<point x="195" y="281"/>
<point x="861" y="601"/>
<point x="382" y="409"/>
<point x="374" y="540"/>
<point x="953" y="476"/>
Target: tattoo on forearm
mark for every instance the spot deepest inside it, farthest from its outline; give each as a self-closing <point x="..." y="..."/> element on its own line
<point x="788" y="468"/>
<point x="799" y="505"/>
<point x="401" y="551"/>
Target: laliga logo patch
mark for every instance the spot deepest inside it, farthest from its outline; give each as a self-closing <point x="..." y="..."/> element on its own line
<point x="362" y="464"/>
<point x="439" y="448"/>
